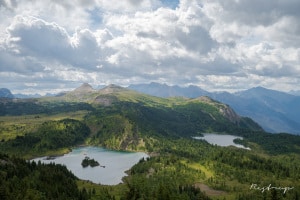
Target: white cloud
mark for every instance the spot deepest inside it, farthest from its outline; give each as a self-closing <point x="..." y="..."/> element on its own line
<point x="285" y="32"/>
<point x="48" y="42"/>
<point x="216" y="44"/>
<point x="33" y="36"/>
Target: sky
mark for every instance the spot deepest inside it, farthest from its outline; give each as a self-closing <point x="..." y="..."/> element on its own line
<point x="219" y="45"/>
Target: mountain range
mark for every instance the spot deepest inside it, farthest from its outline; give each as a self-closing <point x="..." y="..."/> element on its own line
<point x="273" y="110"/>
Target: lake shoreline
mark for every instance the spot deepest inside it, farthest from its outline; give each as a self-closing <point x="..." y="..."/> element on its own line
<point x="117" y="163"/>
<point x="62" y="151"/>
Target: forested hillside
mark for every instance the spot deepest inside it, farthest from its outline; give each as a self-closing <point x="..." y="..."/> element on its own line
<point x="50" y="135"/>
<point x="21" y="180"/>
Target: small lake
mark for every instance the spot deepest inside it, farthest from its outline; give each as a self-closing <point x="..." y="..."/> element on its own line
<point x="114" y="164"/>
<point x="221" y="140"/>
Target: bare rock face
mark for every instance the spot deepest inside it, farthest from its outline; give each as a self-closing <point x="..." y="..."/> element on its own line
<point x="105" y="100"/>
<point x="229" y="113"/>
<point x="224" y="109"/>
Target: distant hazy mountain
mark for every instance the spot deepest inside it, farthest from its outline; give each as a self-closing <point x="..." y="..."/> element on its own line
<point x="163" y="90"/>
<point x="29" y="96"/>
<point x="4" y="92"/>
<point x="275" y="111"/>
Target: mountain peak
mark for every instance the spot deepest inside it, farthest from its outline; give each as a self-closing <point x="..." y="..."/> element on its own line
<point x="85" y="87"/>
<point x="261" y="93"/>
<point x="112" y="88"/>
<point x="4" y="92"/>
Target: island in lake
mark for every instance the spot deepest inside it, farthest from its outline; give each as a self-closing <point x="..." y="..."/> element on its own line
<point x="87" y="161"/>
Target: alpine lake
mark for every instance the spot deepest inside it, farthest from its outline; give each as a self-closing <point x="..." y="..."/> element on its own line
<point x="112" y="164"/>
<point x="221" y="140"/>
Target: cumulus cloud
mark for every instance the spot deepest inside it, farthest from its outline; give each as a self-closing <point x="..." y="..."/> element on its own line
<point x="215" y="44"/>
<point x="36" y="38"/>
<point x="33" y="36"/>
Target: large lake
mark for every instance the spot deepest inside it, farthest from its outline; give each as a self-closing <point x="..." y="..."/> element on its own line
<point x="115" y="162"/>
<point x="221" y="140"/>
